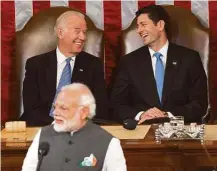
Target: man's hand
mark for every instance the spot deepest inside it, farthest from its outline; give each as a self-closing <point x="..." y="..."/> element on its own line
<point x="151" y="114"/>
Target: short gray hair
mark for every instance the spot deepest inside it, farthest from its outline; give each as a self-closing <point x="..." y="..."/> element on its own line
<point x="62" y="19"/>
<point x="85" y="99"/>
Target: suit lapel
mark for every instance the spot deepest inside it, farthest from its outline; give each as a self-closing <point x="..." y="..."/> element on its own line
<point x="146" y="79"/>
<point x="78" y="69"/>
<point x="172" y="65"/>
<point x="51" y="75"/>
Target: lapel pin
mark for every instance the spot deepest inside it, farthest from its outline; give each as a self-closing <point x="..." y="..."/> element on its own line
<point x="174" y="63"/>
<point x="81" y="70"/>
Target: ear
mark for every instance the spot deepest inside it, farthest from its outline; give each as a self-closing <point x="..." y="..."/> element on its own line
<point x="60" y="33"/>
<point x="161" y="25"/>
<point x="84" y="112"/>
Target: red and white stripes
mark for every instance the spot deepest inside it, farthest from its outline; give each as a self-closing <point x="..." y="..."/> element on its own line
<point x="95" y="9"/>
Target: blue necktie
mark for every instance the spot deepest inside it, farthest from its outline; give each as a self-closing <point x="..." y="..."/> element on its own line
<point x="159" y="74"/>
<point x="65" y="79"/>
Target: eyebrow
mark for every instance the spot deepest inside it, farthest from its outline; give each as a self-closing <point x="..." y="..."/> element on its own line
<point x="76" y="28"/>
<point x="142" y="22"/>
<point x="60" y="105"/>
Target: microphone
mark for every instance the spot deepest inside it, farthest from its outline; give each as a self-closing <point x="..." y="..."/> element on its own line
<point x="43" y="150"/>
<point x="130" y="124"/>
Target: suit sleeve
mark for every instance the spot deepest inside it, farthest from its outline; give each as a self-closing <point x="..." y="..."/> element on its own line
<point x="122" y="97"/>
<point x="99" y="91"/>
<point x="35" y="110"/>
<point x="30" y="86"/>
<point x="197" y="93"/>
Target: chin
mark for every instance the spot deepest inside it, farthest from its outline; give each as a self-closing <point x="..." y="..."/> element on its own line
<point x="149" y="43"/>
<point x="78" y="50"/>
<point x="67" y="126"/>
<point x="146" y="42"/>
<point x="60" y="127"/>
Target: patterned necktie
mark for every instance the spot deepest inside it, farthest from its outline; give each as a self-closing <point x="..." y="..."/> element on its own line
<point x="159" y="74"/>
<point x="65" y="79"/>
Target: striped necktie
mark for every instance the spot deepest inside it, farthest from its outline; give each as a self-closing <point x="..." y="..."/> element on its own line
<point x="65" y="79"/>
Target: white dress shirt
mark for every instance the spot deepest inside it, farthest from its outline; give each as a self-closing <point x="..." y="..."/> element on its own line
<point x="61" y="63"/>
<point x="163" y="52"/>
<point x="114" y="159"/>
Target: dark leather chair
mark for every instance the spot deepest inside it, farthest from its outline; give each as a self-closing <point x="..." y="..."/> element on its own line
<point x="185" y="30"/>
<point x="38" y="37"/>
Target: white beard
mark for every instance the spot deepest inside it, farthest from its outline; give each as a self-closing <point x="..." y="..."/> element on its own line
<point x="68" y="125"/>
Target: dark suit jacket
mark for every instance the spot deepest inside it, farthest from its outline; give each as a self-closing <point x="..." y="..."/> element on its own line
<point x="39" y="86"/>
<point x="184" y="91"/>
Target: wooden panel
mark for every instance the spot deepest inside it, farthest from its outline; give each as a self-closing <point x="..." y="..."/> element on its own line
<point x="140" y="154"/>
<point x="8" y="161"/>
<point x="11" y="169"/>
<point x="150" y="168"/>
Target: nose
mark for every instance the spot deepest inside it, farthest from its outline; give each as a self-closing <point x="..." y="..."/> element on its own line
<point x="139" y="29"/>
<point x="82" y="35"/>
<point x="55" y="112"/>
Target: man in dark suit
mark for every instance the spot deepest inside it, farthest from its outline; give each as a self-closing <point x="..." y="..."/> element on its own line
<point x="160" y="77"/>
<point x="46" y="73"/>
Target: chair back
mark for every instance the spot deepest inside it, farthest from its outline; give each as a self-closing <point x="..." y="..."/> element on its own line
<point x="185" y="30"/>
<point x="38" y="37"/>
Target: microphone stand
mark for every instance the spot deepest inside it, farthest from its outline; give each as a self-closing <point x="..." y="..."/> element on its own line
<point x="39" y="161"/>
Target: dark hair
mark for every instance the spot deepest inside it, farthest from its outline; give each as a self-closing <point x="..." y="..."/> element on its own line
<point x="156" y="13"/>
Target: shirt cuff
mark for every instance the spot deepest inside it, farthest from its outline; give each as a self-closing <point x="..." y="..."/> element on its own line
<point x="137" y="117"/>
<point x="170" y="115"/>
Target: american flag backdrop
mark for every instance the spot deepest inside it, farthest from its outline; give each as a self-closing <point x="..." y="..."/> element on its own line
<point x="110" y="16"/>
